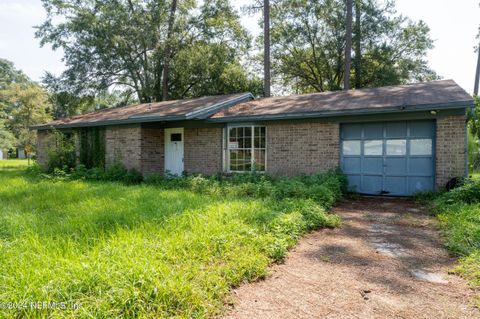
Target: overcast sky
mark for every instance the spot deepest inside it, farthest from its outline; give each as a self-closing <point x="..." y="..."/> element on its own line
<point x="453" y="24"/>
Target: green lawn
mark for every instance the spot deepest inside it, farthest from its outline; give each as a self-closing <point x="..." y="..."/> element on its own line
<point x="136" y="251"/>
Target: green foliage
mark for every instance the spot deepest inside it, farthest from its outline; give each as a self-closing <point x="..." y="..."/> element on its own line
<point x="459" y="215"/>
<point x="123" y="45"/>
<point x="7" y="139"/>
<point x="61" y="153"/>
<point x="92" y="147"/>
<point x="66" y="102"/>
<point x="149" y="251"/>
<point x="23" y="103"/>
<point x="308" y="45"/>
<point x="28" y="105"/>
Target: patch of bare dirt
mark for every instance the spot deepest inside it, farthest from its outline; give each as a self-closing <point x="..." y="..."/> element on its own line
<point x="386" y="261"/>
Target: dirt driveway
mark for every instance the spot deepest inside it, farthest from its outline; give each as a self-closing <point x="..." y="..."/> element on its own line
<point x="387" y="261"/>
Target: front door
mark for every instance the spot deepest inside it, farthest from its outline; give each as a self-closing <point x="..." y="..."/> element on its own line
<point x="174" y="151"/>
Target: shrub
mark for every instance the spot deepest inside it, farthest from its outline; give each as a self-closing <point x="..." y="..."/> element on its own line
<point x="459" y="215"/>
<point x="61" y="154"/>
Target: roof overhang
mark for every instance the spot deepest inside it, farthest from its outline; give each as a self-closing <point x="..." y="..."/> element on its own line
<point x="199" y="114"/>
<point x="340" y="113"/>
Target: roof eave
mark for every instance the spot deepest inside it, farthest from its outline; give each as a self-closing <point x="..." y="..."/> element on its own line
<point x="195" y="115"/>
<point x="110" y="122"/>
<point x="340" y="113"/>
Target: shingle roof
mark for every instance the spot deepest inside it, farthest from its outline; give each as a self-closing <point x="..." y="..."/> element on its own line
<point x="435" y="94"/>
<point x="198" y="108"/>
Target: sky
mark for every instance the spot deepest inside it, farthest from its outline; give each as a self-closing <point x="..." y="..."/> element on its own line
<point x="453" y="24"/>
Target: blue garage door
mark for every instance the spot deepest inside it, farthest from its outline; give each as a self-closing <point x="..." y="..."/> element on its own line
<point x="389" y="158"/>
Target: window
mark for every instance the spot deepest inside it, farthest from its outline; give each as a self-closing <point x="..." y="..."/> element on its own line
<point x="396" y="147"/>
<point x="176" y="137"/>
<point x="373" y="147"/>
<point x="246" y="148"/>
<point x="421" y="147"/>
<point x="351" y="147"/>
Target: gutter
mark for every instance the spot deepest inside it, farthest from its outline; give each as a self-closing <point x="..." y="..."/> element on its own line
<point x="339" y="113"/>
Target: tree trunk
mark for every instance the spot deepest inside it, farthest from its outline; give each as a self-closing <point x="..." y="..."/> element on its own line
<point x="357" y="62"/>
<point x="348" y="46"/>
<point x="168" y="50"/>
<point x="266" y="48"/>
<point x="477" y="73"/>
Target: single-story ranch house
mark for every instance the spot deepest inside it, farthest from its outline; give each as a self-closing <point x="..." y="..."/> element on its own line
<point x="394" y="140"/>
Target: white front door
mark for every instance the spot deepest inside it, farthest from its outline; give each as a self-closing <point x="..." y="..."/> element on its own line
<point x="174" y="151"/>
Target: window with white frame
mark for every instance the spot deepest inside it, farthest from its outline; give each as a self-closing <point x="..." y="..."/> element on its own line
<point x="246" y="148"/>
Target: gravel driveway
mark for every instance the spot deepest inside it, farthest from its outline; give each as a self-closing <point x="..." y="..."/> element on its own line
<point x="386" y="261"/>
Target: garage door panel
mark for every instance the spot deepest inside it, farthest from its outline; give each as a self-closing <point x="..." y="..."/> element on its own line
<point x="421" y="129"/>
<point x="352" y="131"/>
<point x="420" y="184"/>
<point x="395" y="165"/>
<point x="352" y="165"/>
<point x="395" y="185"/>
<point x="421" y="166"/>
<point x="354" y="183"/>
<point x="396" y="129"/>
<point x="371" y="184"/>
<point x="373" y="131"/>
<point x="373" y="165"/>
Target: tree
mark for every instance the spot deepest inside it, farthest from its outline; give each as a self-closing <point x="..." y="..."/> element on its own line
<point x="29" y="105"/>
<point x="7" y="140"/>
<point x="348" y="46"/>
<point x="123" y="44"/>
<point x="168" y="45"/>
<point x="477" y="72"/>
<point x="266" y="48"/>
<point x="65" y="102"/>
<point x="308" y="45"/>
<point x="357" y="65"/>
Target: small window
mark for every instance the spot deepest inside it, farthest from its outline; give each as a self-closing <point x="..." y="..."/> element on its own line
<point x="421" y="147"/>
<point x="176" y="137"/>
<point x="373" y="147"/>
<point x="351" y="147"/>
<point x="396" y="147"/>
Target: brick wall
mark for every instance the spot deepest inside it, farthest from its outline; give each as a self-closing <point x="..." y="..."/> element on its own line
<point x="153" y="151"/>
<point x="203" y="150"/>
<point x="450" y="148"/>
<point x="43" y="145"/>
<point x="295" y="148"/>
<point x="123" y="145"/>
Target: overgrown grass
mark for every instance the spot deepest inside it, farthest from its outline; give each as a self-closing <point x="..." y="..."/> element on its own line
<point x="171" y="248"/>
<point x="459" y="214"/>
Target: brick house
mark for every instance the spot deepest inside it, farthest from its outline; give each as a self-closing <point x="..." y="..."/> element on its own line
<point x="394" y="140"/>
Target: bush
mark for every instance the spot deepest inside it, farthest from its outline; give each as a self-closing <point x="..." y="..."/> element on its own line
<point x="61" y="154"/>
<point x="459" y="215"/>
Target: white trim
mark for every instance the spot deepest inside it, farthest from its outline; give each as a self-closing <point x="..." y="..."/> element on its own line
<point x="226" y="152"/>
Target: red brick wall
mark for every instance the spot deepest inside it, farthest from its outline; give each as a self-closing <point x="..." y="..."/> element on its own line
<point x="295" y="148"/>
<point x="203" y="150"/>
<point x="450" y="148"/>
